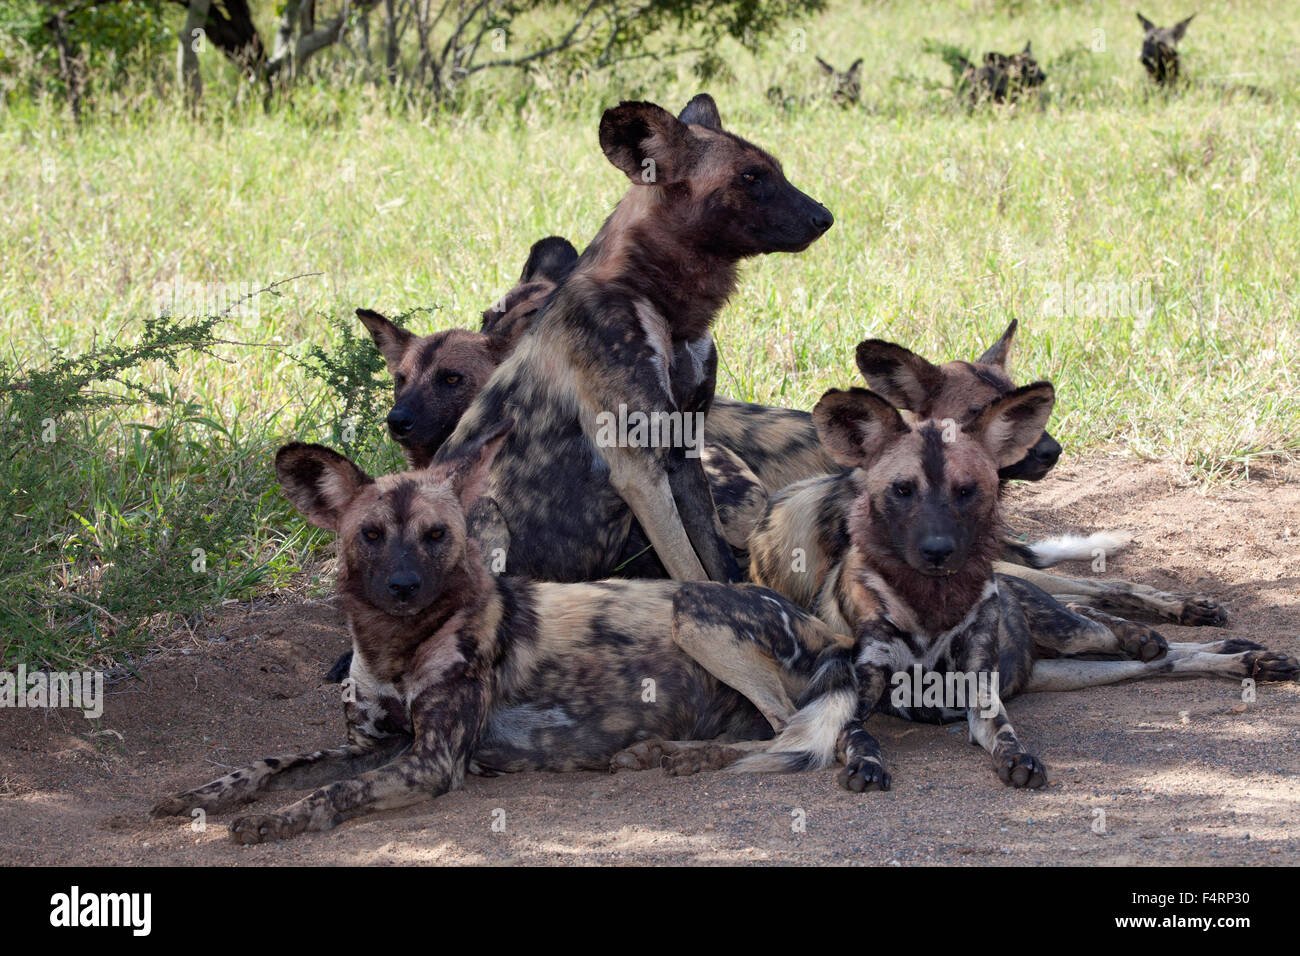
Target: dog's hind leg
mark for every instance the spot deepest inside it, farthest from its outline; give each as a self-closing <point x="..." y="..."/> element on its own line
<point x="682" y="758"/>
<point x="1123" y="597"/>
<point x="1071" y="630"/>
<point x="1236" y="659"/>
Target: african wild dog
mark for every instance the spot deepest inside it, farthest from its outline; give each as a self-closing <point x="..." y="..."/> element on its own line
<point x="627" y="335"/>
<point x="847" y="84"/>
<point x="1160" y="48"/>
<point x="435" y="377"/>
<point x="1002" y="78"/>
<point x="926" y="610"/>
<point x="804" y="535"/>
<point x="458" y="670"/>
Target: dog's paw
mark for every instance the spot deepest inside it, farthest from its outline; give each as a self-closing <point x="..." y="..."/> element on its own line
<point x="641" y="756"/>
<point x="861" y="774"/>
<point x="263" y="828"/>
<point x="1141" y="643"/>
<point x="1203" y="612"/>
<point x="1265" y="665"/>
<point x="692" y="760"/>
<point x="1022" y="770"/>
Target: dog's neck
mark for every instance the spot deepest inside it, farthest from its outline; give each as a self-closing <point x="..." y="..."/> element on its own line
<point x="387" y="642"/>
<point x="914" y="601"/>
<point x="643" y="248"/>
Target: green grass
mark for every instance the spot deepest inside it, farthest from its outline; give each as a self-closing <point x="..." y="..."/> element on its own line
<point x="949" y="224"/>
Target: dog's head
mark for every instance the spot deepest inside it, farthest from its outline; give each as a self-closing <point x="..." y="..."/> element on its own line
<point x="955" y="390"/>
<point x="1160" y="48"/>
<point x="846" y="87"/>
<point x="400" y="537"/>
<point x="930" y="489"/>
<point x="1023" y="70"/>
<point x="705" y="189"/>
<point x="436" y="377"/>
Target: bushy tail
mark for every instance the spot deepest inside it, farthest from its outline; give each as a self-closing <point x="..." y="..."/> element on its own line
<point x="1066" y="547"/>
<point x="808" y="741"/>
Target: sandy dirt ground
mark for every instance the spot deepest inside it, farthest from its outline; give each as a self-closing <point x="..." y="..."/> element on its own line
<point x="1179" y="771"/>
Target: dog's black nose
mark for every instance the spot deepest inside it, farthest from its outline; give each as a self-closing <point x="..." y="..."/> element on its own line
<point x="403" y="584"/>
<point x="822" y="219"/>
<point x="400" y="422"/>
<point x="1047" y="451"/>
<point x="936" y="548"/>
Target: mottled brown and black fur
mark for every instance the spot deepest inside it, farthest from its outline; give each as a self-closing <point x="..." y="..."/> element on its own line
<point x="456" y="670"/>
<point x="629" y="330"/>
<point x="1002" y="78"/>
<point x="846" y="84"/>
<point x="1160" y="49"/>
<point x="918" y="590"/>
<point x="804" y="534"/>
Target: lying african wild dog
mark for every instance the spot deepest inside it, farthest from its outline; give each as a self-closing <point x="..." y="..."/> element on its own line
<point x="802" y="538"/>
<point x="627" y="333"/>
<point x="1160" y="48"/>
<point x="918" y="590"/>
<point x="1002" y="78"/>
<point x="456" y="669"/>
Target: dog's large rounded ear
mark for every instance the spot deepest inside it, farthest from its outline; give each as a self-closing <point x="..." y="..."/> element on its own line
<point x="319" y="481"/>
<point x="466" y="469"/>
<point x="390" y="338"/>
<point x="650" y="145"/>
<point x="1147" y="25"/>
<point x="1012" y="424"/>
<point x="702" y="111"/>
<point x="1027" y="51"/>
<point x="1180" y="28"/>
<point x="856" y="425"/>
<point x="550" y="259"/>
<point x="826" y="67"/>
<point x="855" y="68"/>
<point x="899" y="375"/>
<point x="998" y="353"/>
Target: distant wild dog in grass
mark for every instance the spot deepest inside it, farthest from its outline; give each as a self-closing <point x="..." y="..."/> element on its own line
<point x="627" y="337"/>
<point x="918" y="590"/>
<point x="458" y="670"/>
<point x="802" y="539"/>
<point x="1002" y="78"/>
<point x="847" y="84"/>
<point x="1160" y="48"/>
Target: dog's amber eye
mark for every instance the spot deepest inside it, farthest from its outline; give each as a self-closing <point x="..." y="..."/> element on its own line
<point x="966" y="491"/>
<point x="749" y="178"/>
<point x="903" y="489"/>
<point x="372" y="534"/>
<point x="435" y="533"/>
<point x="451" y="379"/>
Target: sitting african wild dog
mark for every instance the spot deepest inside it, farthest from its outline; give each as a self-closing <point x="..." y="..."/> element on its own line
<point x="1002" y="78"/>
<point x="623" y="352"/>
<point x="847" y="84"/>
<point x="800" y="542"/>
<point x="1160" y="48"/>
<point x="939" y="636"/>
<point x="435" y="378"/>
<point x="459" y="670"/>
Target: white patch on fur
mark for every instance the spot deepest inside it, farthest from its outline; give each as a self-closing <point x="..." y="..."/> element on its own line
<point x="656" y="333"/>
<point x="811" y="733"/>
<point x="1074" y="547"/>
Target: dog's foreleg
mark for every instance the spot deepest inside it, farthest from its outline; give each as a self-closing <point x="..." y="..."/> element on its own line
<point x="1231" y="658"/>
<point x="694" y="501"/>
<point x="991" y="729"/>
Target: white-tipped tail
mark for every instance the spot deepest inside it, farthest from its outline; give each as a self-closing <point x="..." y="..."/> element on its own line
<point x="808" y="741"/>
<point x="1074" y="547"/>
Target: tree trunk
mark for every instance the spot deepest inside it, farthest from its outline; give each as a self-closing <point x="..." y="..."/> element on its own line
<point x="189" y="42"/>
